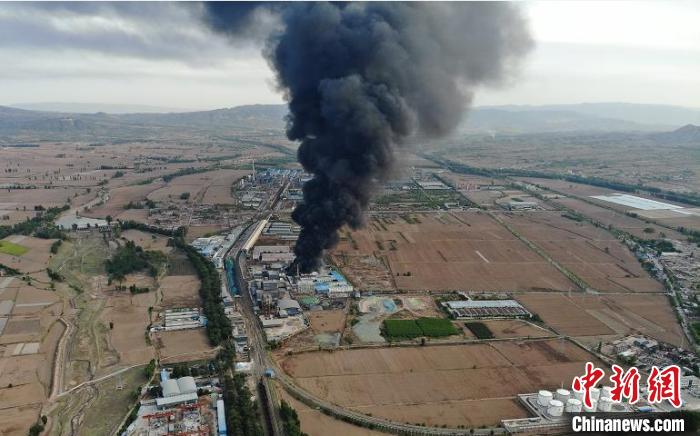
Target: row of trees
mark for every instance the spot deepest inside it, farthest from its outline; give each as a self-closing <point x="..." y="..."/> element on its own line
<point x="40" y="226"/>
<point x="218" y="324"/>
<point x="179" y="232"/>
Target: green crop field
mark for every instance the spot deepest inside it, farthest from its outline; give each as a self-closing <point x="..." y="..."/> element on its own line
<point x="411" y="328"/>
<point x="13" y="249"/>
<point x="480" y="330"/>
<point x="401" y="329"/>
<point x="436" y="327"/>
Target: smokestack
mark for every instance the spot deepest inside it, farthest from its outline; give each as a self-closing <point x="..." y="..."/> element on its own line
<point x="362" y="78"/>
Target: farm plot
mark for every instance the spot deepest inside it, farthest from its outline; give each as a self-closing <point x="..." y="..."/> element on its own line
<point x="120" y="197"/>
<point x="211" y="187"/>
<point x="147" y="241"/>
<point x="592" y="253"/>
<point x="180" y="291"/>
<point x="183" y="345"/>
<point x="594" y="316"/>
<point x="28" y="256"/>
<point x="439" y="385"/>
<point x="514" y="328"/>
<point x="618" y="220"/>
<point x="128" y="319"/>
<point x="316" y="423"/>
<point x="454" y="251"/>
<point x="7" y="247"/>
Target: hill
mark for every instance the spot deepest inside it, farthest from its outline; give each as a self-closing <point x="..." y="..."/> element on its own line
<point x="688" y="134"/>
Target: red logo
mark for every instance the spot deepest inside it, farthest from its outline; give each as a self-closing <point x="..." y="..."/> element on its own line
<point x="587" y="381"/>
<point x="625" y="384"/>
<point x="665" y="385"/>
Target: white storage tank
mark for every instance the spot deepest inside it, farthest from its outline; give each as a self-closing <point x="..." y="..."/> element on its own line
<point x="556" y="408"/>
<point x="605" y="404"/>
<point x="170" y="388"/>
<point x="595" y="393"/>
<point x="187" y="385"/>
<point x="562" y="395"/>
<point x="573" y="405"/>
<point x="606" y="392"/>
<point x="578" y="395"/>
<point x="594" y="406"/>
<point x="544" y="397"/>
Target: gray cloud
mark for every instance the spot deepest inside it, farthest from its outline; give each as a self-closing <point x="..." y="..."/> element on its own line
<point x="159" y="30"/>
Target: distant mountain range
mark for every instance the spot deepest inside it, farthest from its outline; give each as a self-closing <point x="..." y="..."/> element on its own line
<point x="20" y="121"/>
<point x="587" y="117"/>
<point x="91" y="108"/>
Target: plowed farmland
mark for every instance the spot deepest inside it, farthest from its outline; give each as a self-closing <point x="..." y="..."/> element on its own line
<point x="453" y="251"/>
<point x="468" y="385"/>
<point x="592" y="253"/>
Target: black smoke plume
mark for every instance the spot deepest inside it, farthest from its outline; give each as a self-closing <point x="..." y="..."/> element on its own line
<point x="362" y="78"/>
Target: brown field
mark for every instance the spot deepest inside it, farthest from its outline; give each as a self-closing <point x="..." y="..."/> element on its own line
<point x="212" y="187"/>
<point x="29" y="198"/>
<point x="194" y="232"/>
<point x="130" y="321"/>
<point x="315" y="423"/>
<point x="9" y="216"/>
<point x="327" y="321"/>
<point x="591" y="315"/>
<point x="616" y="219"/>
<point x="33" y="260"/>
<point x="439" y="385"/>
<point x="508" y="329"/>
<point x="120" y="197"/>
<point x="148" y="241"/>
<point x="16" y="421"/>
<point x="179" y="291"/>
<point x="663" y="217"/>
<point x="183" y="346"/>
<point x="592" y="253"/>
<point x="450" y="251"/>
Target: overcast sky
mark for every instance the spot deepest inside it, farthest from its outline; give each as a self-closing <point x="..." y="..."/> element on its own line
<point x="161" y="55"/>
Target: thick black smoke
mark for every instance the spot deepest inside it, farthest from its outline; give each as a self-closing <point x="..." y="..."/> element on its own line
<point x="361" y="78"/>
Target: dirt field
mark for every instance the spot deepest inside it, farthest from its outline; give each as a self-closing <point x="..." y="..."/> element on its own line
<point x="130" y="320"/>
<point x="183" y="345"/>
<point x="212" y="187"/>
<point x="508" y="329"/>
<point x="440" y="384"/>
<point x="120" y="197"/>
<point x="618" y="220"/>
<point x="148" y="241"/>
<point x="180" y="291"/>
<point x="34" y="259"/>
<point x="593" y="254"/>
<point x="315" y="423"/>
<point x="450" y="251"/>
<point x="605" y="315"/>
<point x="327" y="321"/>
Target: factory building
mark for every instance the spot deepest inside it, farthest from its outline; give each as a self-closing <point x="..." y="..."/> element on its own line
<point x="485" y="309"/>
<point x="221" y="418"/>
<point x="522" y="205"/>
<point x="176" y="392"/>
<point x="288" y="307"/>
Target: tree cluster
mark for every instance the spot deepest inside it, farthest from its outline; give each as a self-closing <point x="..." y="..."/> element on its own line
<point x="131" y="258"/>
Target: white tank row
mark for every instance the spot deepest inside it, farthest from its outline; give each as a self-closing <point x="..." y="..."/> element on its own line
<point x="563" y="400"/>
